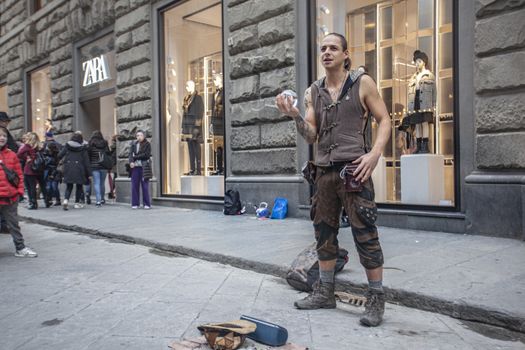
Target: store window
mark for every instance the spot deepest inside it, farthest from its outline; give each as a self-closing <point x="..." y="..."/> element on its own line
<point x="97" y="77"/>
<point x="407" y="48"/>
<point x="3" y="99"/>
<point x="40" y="99"/>
<point x="192" y="116"/>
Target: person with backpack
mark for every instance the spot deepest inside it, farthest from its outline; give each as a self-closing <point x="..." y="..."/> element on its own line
<point x="33" y="169"/>
<point x="139" y="156"/>
<point x="77" y="169"/>
<point x="100" y="160"/>
<point x="11" y="188"/>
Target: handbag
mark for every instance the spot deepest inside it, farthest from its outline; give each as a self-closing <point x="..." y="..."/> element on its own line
<point x="38" y="164"/>
<point x="11" y="175"/>
<point x="104" y="160"/>
<point x="147" y="171"/>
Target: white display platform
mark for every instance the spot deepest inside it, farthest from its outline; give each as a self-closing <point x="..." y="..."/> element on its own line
<point x="202" y="185"/>
<point x="379" y="180"/>
<point x="215" y="185"/>
<point x="422" y="179"/>
<point x="194" y="185"/>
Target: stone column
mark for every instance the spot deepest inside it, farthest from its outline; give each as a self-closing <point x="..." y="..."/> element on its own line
<point x="495" y="189"/>
<point x="261" y="62"/>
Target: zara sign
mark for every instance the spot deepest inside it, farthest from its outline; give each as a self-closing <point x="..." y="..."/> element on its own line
<point x="95" y="70"/>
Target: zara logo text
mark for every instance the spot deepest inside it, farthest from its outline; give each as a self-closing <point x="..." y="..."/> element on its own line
<point x="95" y="70"/>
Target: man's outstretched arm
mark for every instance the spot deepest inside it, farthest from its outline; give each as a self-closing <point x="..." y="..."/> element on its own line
<point x="305" y="126"/>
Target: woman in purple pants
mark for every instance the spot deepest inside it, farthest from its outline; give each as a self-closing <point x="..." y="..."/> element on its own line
<point x="139" y="158"/>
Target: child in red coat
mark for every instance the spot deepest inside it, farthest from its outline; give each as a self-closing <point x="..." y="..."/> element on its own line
<point x="9" y="195"/>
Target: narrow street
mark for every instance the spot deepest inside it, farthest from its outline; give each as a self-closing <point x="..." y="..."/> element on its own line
<point x="83" y="292"/>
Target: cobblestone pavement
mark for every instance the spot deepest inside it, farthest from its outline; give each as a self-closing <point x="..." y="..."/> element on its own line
<point x="88" y="293"/>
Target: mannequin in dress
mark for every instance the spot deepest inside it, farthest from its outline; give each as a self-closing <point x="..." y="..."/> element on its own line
<point x="217" y="122"/>
<point x="193" y="112"/>
<point x="421" y="101"/>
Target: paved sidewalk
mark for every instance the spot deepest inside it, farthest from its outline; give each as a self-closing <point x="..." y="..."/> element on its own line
<point x="83" y="293"/>
<point x="469" y="277"/>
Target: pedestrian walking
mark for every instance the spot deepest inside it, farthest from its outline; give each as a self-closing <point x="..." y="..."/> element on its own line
<point x="86" y="192"/>
<point x="77" y="170"/>
<point x="11" y="188"/>
<point x="337" y="110"/>
<point x="140" y="165"/>
<point x="112" y="173"/>
<point x="99" y="158"/>
<point x="52" y="176"/>
<point x="34" y="167"/>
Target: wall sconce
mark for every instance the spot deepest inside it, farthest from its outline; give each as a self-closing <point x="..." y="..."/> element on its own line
<point x="324" y="30"/>
<point x="324" y="9"/>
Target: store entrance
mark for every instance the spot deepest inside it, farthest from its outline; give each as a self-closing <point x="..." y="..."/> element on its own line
<point x="98" y="114"/>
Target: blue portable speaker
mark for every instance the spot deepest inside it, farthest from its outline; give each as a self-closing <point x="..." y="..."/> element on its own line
<point x="267" y="333"/>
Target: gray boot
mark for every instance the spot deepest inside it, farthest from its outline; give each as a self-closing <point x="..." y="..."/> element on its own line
<point x="374" y="308"/>
<point x="322" y="297"/>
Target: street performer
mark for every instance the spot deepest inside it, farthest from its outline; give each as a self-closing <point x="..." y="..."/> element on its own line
<point x="338" y="107"/>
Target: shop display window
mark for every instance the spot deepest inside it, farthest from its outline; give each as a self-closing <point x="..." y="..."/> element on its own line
<point x="40" y="99"/>
<point x="192" y="116"/>
<point x="3" y="99"/>
<point x="417" y="166"/>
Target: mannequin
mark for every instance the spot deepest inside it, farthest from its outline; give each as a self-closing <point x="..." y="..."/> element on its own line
<point x="217" y="121"/>
<point x="193" y="112"/>
<point x="421" y="101"/>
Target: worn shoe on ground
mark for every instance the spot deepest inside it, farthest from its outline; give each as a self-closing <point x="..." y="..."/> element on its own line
<point x="322" y="297"/>
<point x="78" y="206"/>
<point x="65" y="204"/>
<point x="374" y="309"/>
<point x="26" y="253"/>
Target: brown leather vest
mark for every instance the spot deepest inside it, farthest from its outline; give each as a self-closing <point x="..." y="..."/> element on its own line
<point x="340" y="125"/>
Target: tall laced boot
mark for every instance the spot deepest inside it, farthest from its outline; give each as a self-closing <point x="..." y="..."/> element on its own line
<point x="374" y="308"/>
<point x="322" y="297"/>
<point x="418" y="148"/>
<point x="424" y="146"/>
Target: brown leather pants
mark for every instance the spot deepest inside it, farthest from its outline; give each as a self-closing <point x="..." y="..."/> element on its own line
<point x="330" y="196"/>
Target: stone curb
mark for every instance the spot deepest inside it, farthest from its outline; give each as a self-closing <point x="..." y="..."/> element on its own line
<point x="455" y="309"/>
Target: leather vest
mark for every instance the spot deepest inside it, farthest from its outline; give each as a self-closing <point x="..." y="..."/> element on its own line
<point x="340" y="125"/>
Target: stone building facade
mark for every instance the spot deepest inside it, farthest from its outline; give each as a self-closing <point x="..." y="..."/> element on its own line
<point x="269" y="46"/>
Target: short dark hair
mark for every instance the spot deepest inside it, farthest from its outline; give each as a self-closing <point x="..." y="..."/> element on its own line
<point x="344" y="45"/>
<point x="77" y="138"/>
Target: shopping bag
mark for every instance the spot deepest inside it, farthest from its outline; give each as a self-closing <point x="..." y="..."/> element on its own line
<point x="280" y="208"/>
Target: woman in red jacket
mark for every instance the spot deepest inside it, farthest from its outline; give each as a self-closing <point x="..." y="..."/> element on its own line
<point x="9" y="195"/>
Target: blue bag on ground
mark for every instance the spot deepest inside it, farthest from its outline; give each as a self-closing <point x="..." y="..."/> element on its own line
<point x="266" y="332"/>
<point x="280" y="208"/>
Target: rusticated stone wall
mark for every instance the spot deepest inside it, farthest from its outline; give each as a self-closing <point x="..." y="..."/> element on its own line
<point x="262" y="63"/>
<point x="499" y="81"/>
<point x="49" y="36"/>
<point x="134" y="67"/>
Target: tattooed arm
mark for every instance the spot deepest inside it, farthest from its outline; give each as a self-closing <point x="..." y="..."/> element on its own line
<point x="305" y="126"/>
